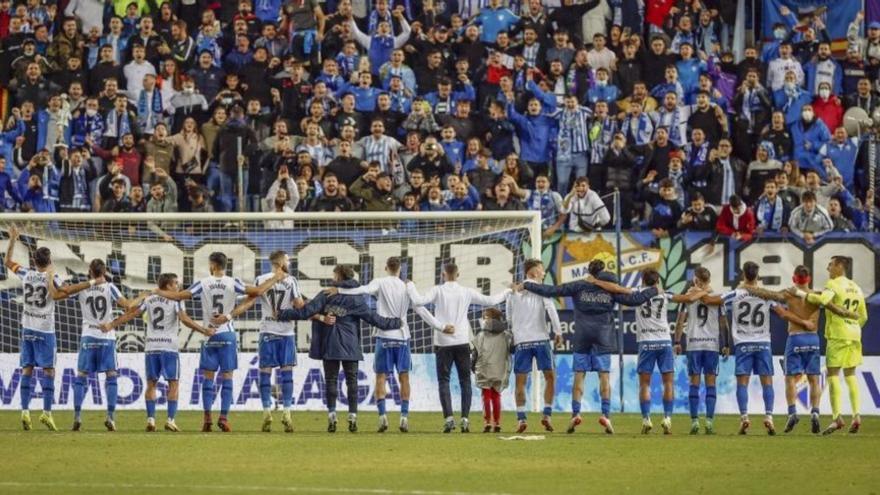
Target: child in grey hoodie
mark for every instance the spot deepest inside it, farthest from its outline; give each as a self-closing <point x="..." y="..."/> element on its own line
<point x="491" y="349"/>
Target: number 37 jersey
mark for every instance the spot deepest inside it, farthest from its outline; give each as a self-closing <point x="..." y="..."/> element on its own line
<point x="750" y="317"/>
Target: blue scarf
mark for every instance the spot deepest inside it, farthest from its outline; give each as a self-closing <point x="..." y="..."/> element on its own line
<point x="117" y="127"/>
<point x="543" y="202"/>
<point x="644" y="131"/>
<point x="673" y="125"/>
<point x="770" y="216"/>
<point x="148" y="117"/>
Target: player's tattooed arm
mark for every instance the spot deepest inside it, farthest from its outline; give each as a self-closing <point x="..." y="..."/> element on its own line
<point x="58" y="293"/>
<point x="10" y="247"/>
<point x="174" y="295"/>
<point x="712" y="300"/>
<point x="608" y="286"/>
<point x="679" y="330"/>
<point x="190" y="323"/>
<point x="724" y="325"/>
<point x="841" y="311"/>
<point x="266" y="285"/>
<point x="769" y="295"/>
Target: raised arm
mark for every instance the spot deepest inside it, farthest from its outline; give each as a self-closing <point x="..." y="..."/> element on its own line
<point x="691" y="295"/>
<point x="10" y="248"/>
<point x="359" y="36"/>
<point x="371" y="288"/>
<point x="261" y="289"/>
<point x="564" y="290"/>
<point x="769" y="295"/>
<point x="405" y="31"/>
<point x="174" y="295"/>
<point x="492" y="300"/>
<point x="311" y="308"/>
<point x="636" y="298"/>
<point x="607" y="286"/>
<point x="822" y="298"/>
<point x="416" y="298"/>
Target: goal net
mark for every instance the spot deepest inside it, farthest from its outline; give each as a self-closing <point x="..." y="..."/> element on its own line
<point x="488" y="247"/>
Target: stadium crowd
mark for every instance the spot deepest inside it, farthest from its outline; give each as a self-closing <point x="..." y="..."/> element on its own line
<point x="155" y="106"/>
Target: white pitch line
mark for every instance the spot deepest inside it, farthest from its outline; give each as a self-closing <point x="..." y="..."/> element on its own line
<point x="234" y="488"/>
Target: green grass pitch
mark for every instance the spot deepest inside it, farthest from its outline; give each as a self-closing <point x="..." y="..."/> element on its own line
<point x="426" y="462"/>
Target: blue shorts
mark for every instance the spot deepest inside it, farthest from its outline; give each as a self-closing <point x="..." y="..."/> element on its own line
<point x="600" y="363"/>
<point x="539" y="351"/>
<point x="37" y="349"/>
<point x="219" y="353"/>
<point x="162" y="364"/>
<point x="277" y="350"/>
<point x="96" y="355"/>
<point x="390" y="355"/>
<point x="703" y="362"/>
<point x="657" y="354"/>
<point x="753" y="359"/>
<point x="802" y="354"/>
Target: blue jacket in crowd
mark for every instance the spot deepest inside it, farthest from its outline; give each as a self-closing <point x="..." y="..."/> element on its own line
<point x="807" y="142"/>
<point x="535" y="131"/>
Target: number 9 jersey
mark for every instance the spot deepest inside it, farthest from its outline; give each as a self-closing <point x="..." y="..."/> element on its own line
<point x="750" y="317"/>
<point x="96" y="304"/>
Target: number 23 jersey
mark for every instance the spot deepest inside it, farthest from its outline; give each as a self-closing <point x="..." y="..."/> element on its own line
<point x="39" y="308"/>
<point x="750" y="317"/>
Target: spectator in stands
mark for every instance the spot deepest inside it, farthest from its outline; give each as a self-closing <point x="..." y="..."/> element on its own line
<point x="585" y="209"/>
<point x="828" y="107"/>
<point x="163" y="194"/>
<point x="374" y="190"/>
<point x="434" y="200"/>
<point x="503" y="198"/>
<point x="666" y="212"/>
<point x="118" y="201"/>
<point x="761" y="169"/>
<point x="736" y="220"/>
<point x="810" y="221"/>
<point x="839" y="222"/>
<point x="772" y="212"/>
<point x="698" y="217"/>
<point x="332" y="198"/>
<point x="809" y="134"/>
<point x="73" y="189"/>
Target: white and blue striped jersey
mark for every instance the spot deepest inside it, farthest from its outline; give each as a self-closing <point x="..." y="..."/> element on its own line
<point x="218" y="296"/>
<point x="39" y="308"/>
<point x="96" y="304"/>
<point x="652" y="324"/>
<point x="703" y="330"/>
<point x="573" y="136"/>
<point x="278" y="298"/>
<point x="163" y="323"/>
<point x="750" y="316"/>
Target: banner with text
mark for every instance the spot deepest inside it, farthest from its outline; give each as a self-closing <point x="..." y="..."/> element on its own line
<point x="836" y="14"/>
<point x="309" y="386"/>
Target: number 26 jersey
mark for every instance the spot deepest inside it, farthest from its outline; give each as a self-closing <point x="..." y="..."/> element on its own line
<point x="750" y="317"/>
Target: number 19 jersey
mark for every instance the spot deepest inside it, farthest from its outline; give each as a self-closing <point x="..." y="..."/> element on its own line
<point x="163" y="323"/>
<point x="702" y="327"/>
<point x="38" y="313"/>
<point x="750" y="317"/>
<point x="96" y="304"/>
<point x="278" y="298"/>
<point x="217" y="298"/>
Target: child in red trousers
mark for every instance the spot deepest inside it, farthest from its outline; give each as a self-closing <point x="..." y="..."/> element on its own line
<point x="492" y="365"/>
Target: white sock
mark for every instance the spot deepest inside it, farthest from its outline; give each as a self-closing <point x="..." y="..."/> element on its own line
<point x="450" y="419"/>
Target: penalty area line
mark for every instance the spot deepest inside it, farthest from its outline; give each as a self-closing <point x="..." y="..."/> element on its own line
<point x="233" y="488"/>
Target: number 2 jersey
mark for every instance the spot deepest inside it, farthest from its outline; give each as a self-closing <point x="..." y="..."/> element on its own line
<point x="278" y="298"/>
<point x="703" y="329"/>
<point x="163" y="323"/>
<point x="651" y="322"/>
<point x="39" y="308"/>
<point x="96" y="304"/>
<point x="217" y="297"/>
<point x="750" y="317"/>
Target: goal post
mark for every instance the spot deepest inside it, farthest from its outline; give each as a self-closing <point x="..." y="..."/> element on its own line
<point x="489" y="248"/>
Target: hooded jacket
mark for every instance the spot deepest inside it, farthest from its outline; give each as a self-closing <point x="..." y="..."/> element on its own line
<point x="491" y="355"/>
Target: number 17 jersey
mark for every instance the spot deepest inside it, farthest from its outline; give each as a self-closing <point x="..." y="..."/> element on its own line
<point x="278" y="298"/>
<point x="750" y="317"/>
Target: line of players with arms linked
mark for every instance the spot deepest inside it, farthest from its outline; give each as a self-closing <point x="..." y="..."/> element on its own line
<point x="531" y="330"/>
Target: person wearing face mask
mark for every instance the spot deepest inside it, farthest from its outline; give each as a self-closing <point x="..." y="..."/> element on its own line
<point x="780" y="32"/>
<point x="790" y="99"/>
<point x="828" y="107"/>
<point x="88" y="126"/>
<point x="188" y="103"/>
<point x="808" y="135"/>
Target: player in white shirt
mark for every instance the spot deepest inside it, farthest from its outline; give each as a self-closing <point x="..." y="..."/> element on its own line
<point x="277" y="348"/>
<point x="750" y="327"/>
<point x="392" y="346"/>
<point x="97" y="347"/>
<point x="655" y="344"/>
<point x="452" y="340"/>
<point x="161" y="357"/>
<point x="217" y="296"/>
<point x="527" y="313"/>
<point x="705" y="326"/>
<point x="41" y="288"/>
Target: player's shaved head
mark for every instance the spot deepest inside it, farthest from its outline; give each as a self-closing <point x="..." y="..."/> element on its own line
<point x="393" y="264"/>
<point x="650" y="277"/>
<point x="750" y="271"/>
<point x="97" y="268"/>
<point x="42" y="257"/>
<point x="166" y="280"/>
